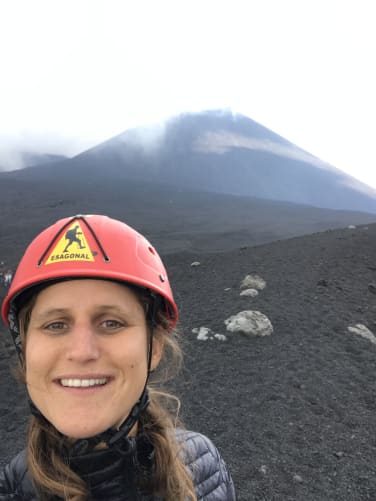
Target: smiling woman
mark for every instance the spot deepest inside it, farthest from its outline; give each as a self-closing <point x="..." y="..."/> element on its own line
<point x="86" y="360"/>
<point x="91" y="331"/>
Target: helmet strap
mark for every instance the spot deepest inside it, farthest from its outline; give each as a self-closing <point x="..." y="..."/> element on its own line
<point x="15" y="333"/>
<point x="151" y="317"/>
<point x="111" y="437"/>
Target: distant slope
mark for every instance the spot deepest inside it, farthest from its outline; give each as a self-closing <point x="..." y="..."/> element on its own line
<point x="173" y="220"/>
<point x="24" y="159"/>
<point x="215" y="151"/>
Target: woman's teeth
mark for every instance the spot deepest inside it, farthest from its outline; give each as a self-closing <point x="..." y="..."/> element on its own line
<point x="77" y="383"/>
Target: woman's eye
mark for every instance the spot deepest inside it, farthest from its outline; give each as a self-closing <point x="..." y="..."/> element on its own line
<point x="56" y="326"/>
<point x="112" y="324"/>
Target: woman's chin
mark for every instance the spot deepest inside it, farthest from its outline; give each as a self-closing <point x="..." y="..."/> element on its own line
<point x="77" y="431"/>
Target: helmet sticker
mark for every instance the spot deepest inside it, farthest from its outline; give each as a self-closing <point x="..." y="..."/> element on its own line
<point x="72" y="246"/>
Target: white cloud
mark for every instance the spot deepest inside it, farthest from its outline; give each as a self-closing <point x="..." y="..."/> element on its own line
<point x="89" y="70"/>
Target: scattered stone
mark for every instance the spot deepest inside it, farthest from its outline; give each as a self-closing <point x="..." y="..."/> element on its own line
<point x="339" y="454"/>
<point x="249" y="292"/>
<point x="227" y="289"/>
<point x="372" y="288"/>
<point x="202" y="333"/>
<point x="250" y="322"/>
<point x="205" y="334"/>
<point x="362" y="330"/>
<point x="263" y="469"/>
<point x="298" y="479"/>
<point x="195" y="263"/>
<point x="253" y="282"/>
<point x="351" y="227"/>
<point x="220" y="337"/>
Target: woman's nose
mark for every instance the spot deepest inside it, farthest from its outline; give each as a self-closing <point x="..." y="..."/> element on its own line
<point x="83" y="344"/>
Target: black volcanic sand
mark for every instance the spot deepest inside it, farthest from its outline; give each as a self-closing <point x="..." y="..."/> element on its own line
<point x="293" y="414"/>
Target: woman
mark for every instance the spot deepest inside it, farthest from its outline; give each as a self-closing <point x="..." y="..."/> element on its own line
<point x="92" y="318"/>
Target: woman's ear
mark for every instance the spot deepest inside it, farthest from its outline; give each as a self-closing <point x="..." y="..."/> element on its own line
<point x="158" y="345"/>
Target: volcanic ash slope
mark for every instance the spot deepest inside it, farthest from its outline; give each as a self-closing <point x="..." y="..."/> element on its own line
<point x="293" y="412"/>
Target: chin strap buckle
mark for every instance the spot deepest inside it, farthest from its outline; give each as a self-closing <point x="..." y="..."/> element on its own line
<point x="128" y="424"/>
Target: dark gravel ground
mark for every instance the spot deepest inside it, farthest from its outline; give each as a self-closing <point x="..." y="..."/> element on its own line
<point x="293" y="414"/>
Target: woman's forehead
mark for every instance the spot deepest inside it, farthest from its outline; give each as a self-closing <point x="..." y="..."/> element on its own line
<point x="88" y="293"/>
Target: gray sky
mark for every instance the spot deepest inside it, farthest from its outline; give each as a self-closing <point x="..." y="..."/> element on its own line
<point x="75" y="73"/>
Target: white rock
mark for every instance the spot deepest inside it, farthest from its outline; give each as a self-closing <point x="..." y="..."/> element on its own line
<point x="220" y="337"/>
<point x="249" y="292"/>
<point x="351" y="227"/>
<point x="195" y="263"/>
<point x="253" y="282"/>
<point x="250" y="322"/>
<point x="362" y="330"/>
<point x="298" y="478"/>
<point x="205" y="334"/>
<point x="227" y="289"/>
<point x="202" y="333"/>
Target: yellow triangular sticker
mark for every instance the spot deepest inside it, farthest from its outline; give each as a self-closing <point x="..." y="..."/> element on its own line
<point x="72" y="246"/>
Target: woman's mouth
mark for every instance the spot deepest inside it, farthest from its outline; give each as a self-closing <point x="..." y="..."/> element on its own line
<point x="83" y="383"/>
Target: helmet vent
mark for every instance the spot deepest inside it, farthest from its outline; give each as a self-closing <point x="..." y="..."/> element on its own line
<point x="151" y="250"/>
<point x="162" y="278"/>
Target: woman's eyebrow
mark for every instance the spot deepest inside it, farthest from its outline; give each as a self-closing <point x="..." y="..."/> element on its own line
<point x="49" y="312"/>
<point x="111" y="308"/>
<point x="97" y="308"/>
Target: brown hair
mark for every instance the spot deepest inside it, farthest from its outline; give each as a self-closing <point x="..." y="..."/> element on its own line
<point x="170" y="479"/>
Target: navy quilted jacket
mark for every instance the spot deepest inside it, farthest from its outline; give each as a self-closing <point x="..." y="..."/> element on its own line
<point x="211" y="478"/>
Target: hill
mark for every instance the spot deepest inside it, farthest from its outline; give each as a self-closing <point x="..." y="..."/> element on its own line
<point x="214" y="151"/>
<point x="292" y="413"/>
<point x="23" y="159"/>
<point x="173" y="220"/>
<point x="178" y="187"/>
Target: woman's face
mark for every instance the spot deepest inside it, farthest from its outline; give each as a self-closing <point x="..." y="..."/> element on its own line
<point x="86" y="355"/>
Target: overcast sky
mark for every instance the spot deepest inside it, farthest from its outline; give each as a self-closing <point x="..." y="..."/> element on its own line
<point x="77" y="72"/>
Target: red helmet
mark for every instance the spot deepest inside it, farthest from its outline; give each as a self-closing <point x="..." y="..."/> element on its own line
<point x="91" y="246"/>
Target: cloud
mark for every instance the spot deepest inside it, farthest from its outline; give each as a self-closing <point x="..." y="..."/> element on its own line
<point x="10" y="160"/>
<point x="13" y="148"/>
<point x="148" y="138"/>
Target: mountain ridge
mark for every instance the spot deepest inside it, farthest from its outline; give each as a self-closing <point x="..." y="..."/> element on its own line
<point x="216" y="151"/>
